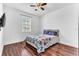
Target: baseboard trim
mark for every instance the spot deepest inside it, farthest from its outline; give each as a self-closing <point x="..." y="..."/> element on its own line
<point x="13" y="42"/>
<point x="69" y="45"/>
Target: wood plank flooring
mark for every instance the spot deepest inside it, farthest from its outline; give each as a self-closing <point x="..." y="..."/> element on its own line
<point x="17" y="49"/>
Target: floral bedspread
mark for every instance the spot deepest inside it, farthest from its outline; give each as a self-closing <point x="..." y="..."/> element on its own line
<point x="40" y="42"/>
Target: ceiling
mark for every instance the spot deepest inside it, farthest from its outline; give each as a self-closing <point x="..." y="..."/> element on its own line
<point x="48" y="8"/>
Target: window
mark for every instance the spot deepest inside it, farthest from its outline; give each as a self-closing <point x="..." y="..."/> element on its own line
<point x="26" y="23"/>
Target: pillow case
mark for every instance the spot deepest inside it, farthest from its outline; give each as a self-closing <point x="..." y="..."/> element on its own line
<point x="50" y="32"/>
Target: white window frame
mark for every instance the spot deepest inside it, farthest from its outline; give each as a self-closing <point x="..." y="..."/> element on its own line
<point x="26" y="23"/>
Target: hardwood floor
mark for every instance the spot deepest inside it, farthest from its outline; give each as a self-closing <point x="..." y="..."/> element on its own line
<point x="17" y="49"/>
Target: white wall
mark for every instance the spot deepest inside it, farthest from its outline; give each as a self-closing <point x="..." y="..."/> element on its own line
<point x="1" y="30"/>
<point x="1" y="9"/>
<point x="1" y="41"/>
<point x="66" y="20"/>
<point x="13" y="30"/>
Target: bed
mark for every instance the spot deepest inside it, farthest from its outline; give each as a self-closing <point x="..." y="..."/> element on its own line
<point x="43" y="41"/>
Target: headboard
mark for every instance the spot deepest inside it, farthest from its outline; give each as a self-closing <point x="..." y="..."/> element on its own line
<point x="51" y="32"/>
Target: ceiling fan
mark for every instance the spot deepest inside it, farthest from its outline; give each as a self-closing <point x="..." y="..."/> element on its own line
<point x="39" y="6"/>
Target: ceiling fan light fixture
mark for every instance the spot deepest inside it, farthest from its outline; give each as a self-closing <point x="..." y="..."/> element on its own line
<point x="39" y="6"/>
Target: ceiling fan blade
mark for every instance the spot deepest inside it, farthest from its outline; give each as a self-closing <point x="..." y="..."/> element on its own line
<point x="42" y="8"/>
<point x="32" y="5"/>
<point x="44" y="4"/>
